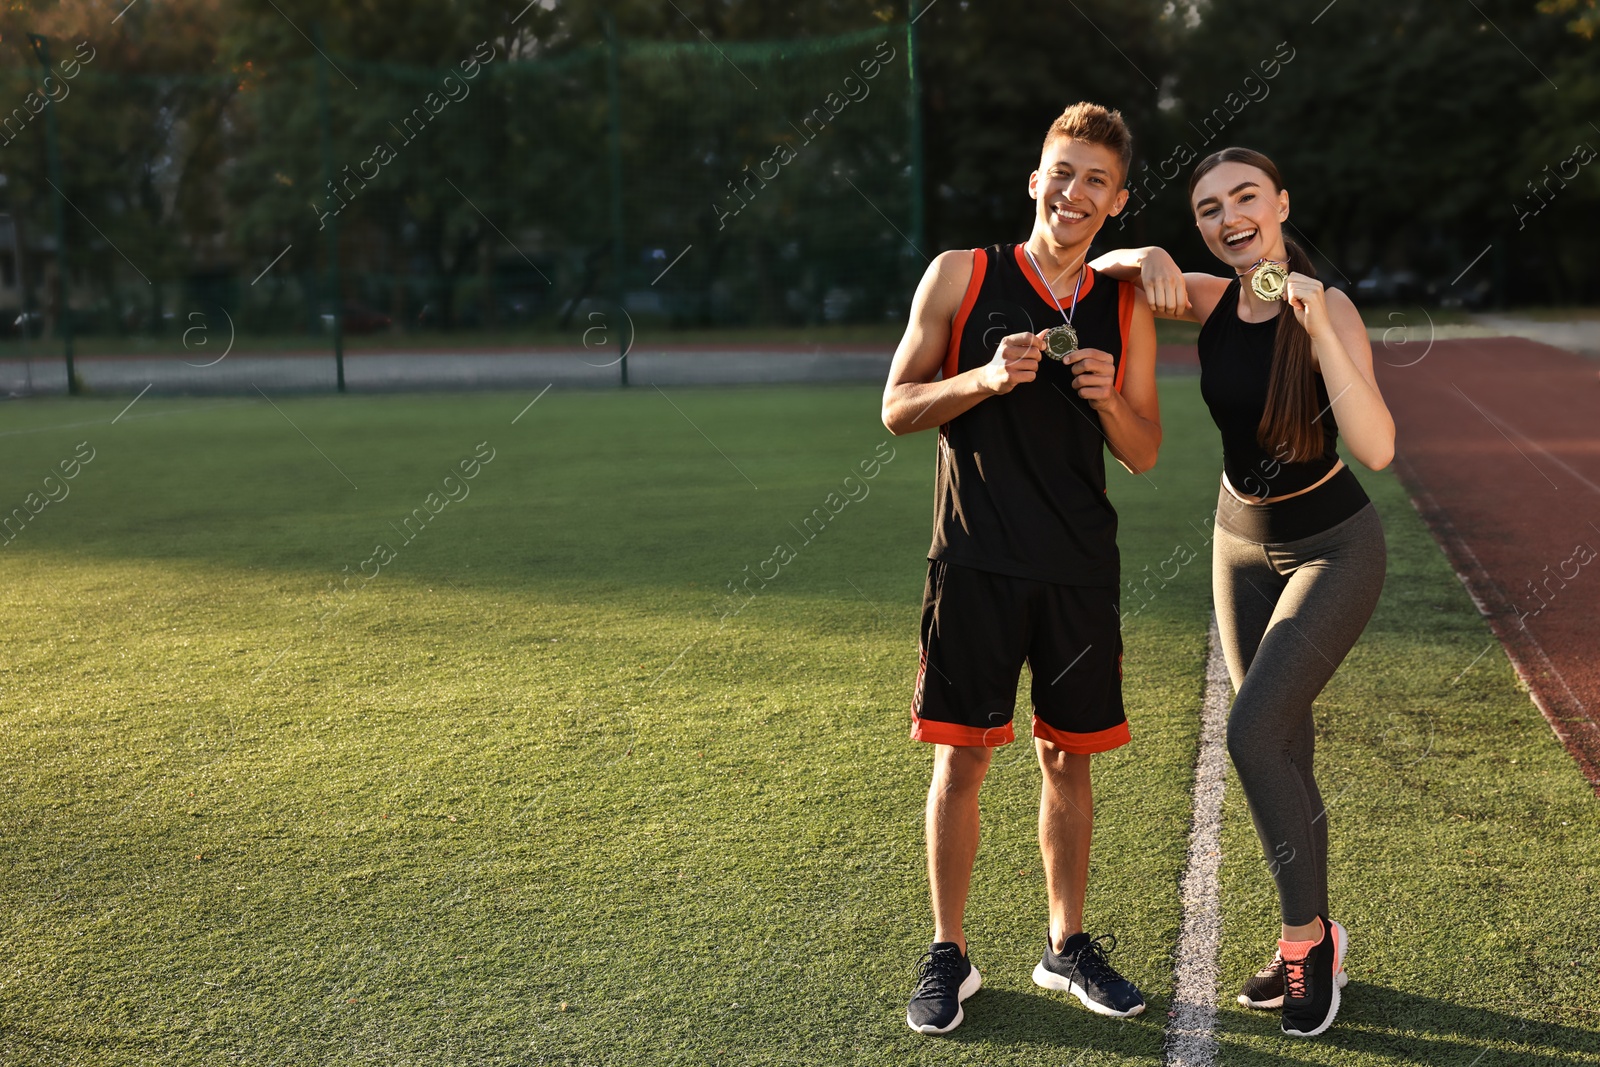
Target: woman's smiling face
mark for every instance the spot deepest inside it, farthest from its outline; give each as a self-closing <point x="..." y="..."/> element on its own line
<point x="1240" y="213"/>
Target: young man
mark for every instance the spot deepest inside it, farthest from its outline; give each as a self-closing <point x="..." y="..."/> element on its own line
<point x="1024" y="564"/>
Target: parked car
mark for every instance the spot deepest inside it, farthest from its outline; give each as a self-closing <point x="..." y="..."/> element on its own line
<point x="1389" y="287"/>
<point x="1474" y="297"/>
<point x="358" y="318"/>
<point x="15" y="323"/>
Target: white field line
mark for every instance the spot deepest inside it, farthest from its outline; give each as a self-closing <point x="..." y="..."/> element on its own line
<point x="1190" y="1039"/>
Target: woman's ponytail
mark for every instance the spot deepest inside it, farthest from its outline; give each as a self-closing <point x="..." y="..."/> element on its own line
<point x="1289" y="426"/>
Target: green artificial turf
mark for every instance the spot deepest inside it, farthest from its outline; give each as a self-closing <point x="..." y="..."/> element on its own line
<point x="541" y="792"/>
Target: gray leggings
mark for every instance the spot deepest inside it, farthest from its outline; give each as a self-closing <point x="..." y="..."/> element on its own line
<point x="1288" y="614"/>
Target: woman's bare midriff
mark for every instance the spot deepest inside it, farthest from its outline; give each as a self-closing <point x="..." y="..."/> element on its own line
<point x="1337" y="467"/>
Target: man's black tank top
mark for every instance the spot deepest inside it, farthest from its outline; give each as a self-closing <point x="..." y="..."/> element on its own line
<point x="1235" y="365"/>
<point x="1021" y="483"/>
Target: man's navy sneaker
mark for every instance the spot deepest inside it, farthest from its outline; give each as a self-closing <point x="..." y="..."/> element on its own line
<point x="945" y="977"/>
<point x="1081" y="968"/>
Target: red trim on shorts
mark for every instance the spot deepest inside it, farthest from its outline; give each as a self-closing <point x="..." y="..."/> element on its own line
<point x="952" y="356"/>
<point x="1083" y="744"/>
<point x="1021" y="254"/>
<point x="951" y="733"/>
<point x="1125" y="295"/>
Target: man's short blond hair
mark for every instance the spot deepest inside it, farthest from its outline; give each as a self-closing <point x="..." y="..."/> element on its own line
<point x="1094" y="124"/>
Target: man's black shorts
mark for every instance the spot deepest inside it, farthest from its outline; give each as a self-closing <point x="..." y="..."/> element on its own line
<point x="978" y="628"/>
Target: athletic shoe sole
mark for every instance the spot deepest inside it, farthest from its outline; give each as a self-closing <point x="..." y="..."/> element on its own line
<point x="1276" y="1002"/>
<point x="970" y="985"/>
<point x="1340" y="943"/>
<point x="1048" y="979"/>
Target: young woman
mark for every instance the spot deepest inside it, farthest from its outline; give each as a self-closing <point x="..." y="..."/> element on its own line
<point x="1298" y="554"/>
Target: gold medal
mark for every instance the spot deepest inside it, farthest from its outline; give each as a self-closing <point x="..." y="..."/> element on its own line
<point x="1270" y="280"/>
<point x="1060" y="341"/>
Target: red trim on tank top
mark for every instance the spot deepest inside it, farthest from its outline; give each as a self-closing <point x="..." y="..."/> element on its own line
<point x="952" y="356"/>
<point x="1021" y="254"/>
<point x="1125" y="295"/>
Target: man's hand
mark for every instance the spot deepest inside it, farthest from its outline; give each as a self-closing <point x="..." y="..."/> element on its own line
<point x="1094" y="376"/>
<point x="1016" y="360"/>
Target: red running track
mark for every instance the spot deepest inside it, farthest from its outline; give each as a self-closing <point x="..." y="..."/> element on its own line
<point x="1498" y="443"/>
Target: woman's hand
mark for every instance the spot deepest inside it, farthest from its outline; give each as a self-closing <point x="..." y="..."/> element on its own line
<point x="1306" y="297"/>
<point x="1163" y="284"/>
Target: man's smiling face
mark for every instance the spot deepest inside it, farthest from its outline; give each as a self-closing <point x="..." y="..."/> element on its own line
<point x="1078" y="186"/>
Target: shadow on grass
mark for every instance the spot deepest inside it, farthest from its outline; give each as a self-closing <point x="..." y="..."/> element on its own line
<point x="1012" y="1017"/>
<point x="1377" y="1023"/>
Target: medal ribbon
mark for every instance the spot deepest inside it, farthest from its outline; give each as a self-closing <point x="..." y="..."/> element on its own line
<point x="1075" y="289"/>
<point x="1258" y="263"/>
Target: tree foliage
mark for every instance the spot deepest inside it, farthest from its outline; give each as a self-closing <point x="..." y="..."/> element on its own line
<point x="200" y="140"/>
